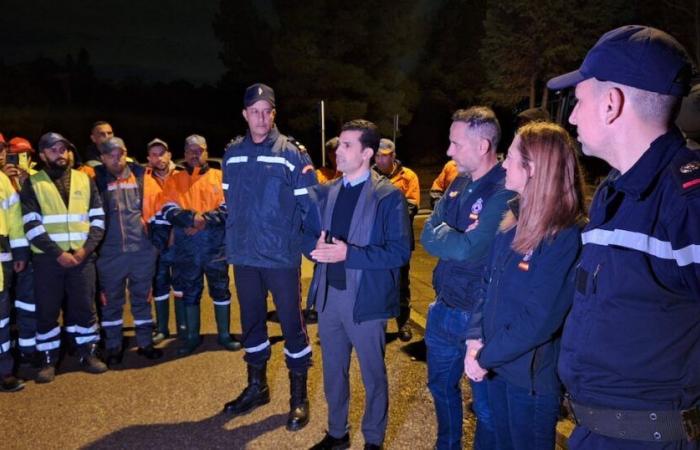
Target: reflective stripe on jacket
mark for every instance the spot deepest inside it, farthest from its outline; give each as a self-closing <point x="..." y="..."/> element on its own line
<point x="68" y="227"/>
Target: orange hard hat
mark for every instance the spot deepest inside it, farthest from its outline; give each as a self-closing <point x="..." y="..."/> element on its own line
<point x="20" y="145"/>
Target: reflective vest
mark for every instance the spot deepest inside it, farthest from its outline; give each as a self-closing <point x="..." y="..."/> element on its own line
<point x="10" y="222"/>
<point x="67" y="227"/>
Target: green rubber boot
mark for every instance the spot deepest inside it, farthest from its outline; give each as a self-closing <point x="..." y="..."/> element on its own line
<point x="180" y="321"/>
<point x="193" y="338"/>
<point x="162" y="319"/>
<point x="222" y="313"/>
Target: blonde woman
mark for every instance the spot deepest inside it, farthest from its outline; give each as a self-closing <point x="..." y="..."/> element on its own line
<point x="515" y="333"/>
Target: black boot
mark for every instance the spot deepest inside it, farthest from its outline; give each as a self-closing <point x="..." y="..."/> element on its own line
<point x="150" y="352"/>
<point x="113" y="356"/>
<point x="89" y="360"/>
<point x="257" y="393"/>
<point x="298" y="401"/>
<point x="48" y="361"/>
<point x="10" y="383"/>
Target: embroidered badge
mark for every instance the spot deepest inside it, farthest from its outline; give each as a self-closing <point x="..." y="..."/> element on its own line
<point x="524" y="265"/>
<point x="476" y="209"/>
<point x="453" y="194"/>
<point x="690" y="167"/>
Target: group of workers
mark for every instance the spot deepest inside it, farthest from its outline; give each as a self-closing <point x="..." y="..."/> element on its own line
<point x="534" y="296"/>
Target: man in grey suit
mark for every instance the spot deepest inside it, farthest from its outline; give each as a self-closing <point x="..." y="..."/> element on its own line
<point x="359" y="238"/>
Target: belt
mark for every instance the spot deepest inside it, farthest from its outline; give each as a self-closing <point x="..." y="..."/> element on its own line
<point x="650" y="426"/>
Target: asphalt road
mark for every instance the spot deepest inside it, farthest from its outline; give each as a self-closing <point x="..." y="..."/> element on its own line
<point x="176" y="402"/>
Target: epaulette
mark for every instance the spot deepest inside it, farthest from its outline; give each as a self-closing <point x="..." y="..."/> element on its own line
<point x="235" y="141"/>
<point x="297" y="144"/>
<point x="686" y="170"/>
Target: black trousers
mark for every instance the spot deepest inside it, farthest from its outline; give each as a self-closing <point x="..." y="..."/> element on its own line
<point x="71" y="289"/>
<point x="252" y="286"/>
<point x="5" y="356"/>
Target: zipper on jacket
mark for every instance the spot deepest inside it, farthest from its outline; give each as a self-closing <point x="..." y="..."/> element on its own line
<point x="119" y="215"/>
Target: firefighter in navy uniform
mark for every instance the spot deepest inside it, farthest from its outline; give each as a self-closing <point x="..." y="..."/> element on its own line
<point x="64" y="223"/>
<point x="630" y="352"/>
<point x="127" y="257"/>
<point x="266" y="176"/>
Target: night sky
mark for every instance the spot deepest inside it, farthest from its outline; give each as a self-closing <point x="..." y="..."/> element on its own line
<point x="154" y="40"/>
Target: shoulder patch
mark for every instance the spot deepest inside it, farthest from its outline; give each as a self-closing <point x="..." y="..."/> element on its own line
<point x="686" y="170"/>
<point x="297" y="144"/>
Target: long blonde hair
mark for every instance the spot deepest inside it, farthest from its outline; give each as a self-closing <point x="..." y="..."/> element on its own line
<point x="552" y="199"/>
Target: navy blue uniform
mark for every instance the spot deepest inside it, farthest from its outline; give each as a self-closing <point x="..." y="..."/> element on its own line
<point x="632" y="339"/>
<point x="266" y="195"/>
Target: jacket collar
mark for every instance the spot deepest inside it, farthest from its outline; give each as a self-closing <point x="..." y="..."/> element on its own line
<point x="269" y="140"/>
<point x="644" y="174"/>
<point x="202" y="169"/>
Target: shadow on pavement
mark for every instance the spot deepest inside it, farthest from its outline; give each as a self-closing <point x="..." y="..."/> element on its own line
<point x="207" y="433"/>
<point x="416" y="350"/>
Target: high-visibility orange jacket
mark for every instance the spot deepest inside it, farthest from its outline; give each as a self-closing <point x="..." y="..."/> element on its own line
<point x="447" y="175"/>
<point x="192" y="191"/>
<point x="405" y="180"/>
<point x="326" y="174"/>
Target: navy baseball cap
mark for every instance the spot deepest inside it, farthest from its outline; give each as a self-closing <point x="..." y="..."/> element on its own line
<point x="51" y="138"/>
<point x="637" y="56"/>
<point x="111" y="144"/>
<point x="257" y="92"/>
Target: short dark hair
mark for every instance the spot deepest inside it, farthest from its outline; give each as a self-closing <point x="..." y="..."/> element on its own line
<point x="370" y="134"/>
<point x="332" y="145"/>
<point x="481" y="120"/>
<point x="97" y="124"/>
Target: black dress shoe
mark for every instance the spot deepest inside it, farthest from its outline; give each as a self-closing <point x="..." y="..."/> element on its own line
<point x="150" y="352"/>
<point x="405" y="333"/>
<point x="331" y="443"/>
<point x="311" y="316"/>
<point x="10" y="383"/>
<point x="369" y="446"/>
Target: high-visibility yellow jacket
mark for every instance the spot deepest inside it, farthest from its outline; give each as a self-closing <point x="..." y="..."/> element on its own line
<point x="68" y="226"/>
<point x="11" y="231"/>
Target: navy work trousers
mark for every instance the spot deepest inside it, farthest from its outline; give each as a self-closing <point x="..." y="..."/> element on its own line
<point x="252" y="286"/>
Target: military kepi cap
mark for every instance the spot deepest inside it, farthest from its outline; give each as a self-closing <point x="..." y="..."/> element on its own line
<point x="50" y="139"/>
<point x="111" y="144"/>
<point x="257" y="92"/>
<point x="637" y="56"/>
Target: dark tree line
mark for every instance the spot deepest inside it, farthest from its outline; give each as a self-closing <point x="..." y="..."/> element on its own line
<point x="418" y="59"/>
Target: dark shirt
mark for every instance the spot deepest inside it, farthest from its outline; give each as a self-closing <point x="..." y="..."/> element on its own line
<point x="340" y="226"/>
